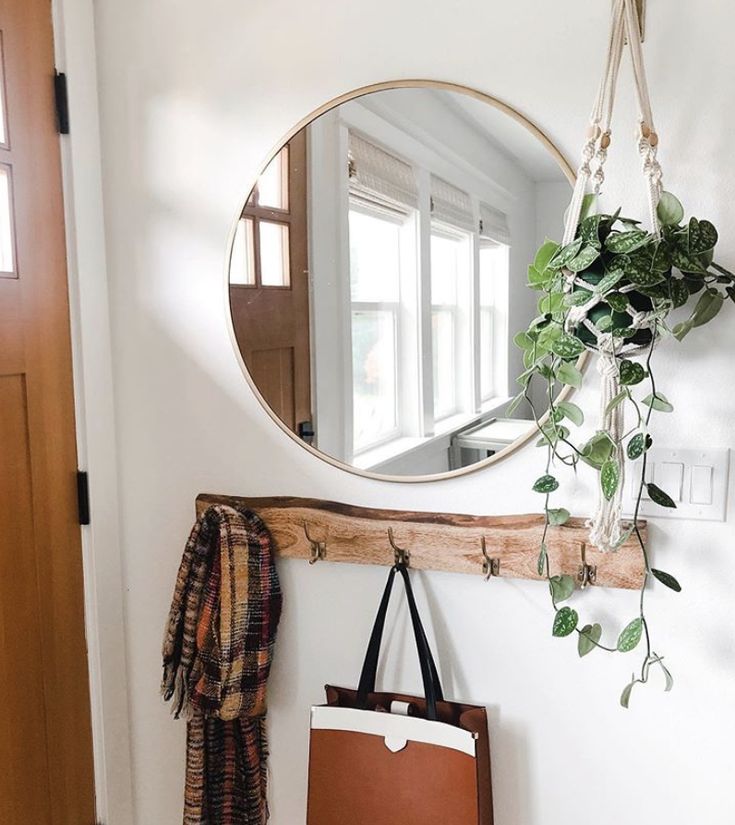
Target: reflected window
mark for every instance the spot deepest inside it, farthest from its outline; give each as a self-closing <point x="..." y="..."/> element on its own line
<point x="494" y="264"/>
<point x="449" y="263"/>
<point x="375" y="264"/>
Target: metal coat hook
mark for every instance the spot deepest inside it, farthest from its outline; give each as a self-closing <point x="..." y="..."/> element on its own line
<point x="587" y="573"/>
<point x="400" y="555"/>
<point x="318" y="548"/>
<point x="490" y="567"/>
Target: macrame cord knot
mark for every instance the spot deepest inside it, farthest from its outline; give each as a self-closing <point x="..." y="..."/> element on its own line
<point x="606" y="526"/>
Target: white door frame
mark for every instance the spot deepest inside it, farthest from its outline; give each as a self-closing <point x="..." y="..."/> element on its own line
<point x="95" y="414"/>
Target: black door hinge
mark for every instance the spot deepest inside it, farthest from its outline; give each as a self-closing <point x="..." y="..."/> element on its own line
<point x="83" y="496"/>
<point x="62" y="103"/>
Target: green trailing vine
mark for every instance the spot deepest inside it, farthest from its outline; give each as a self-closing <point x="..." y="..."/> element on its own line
<point x="614" y="286"/>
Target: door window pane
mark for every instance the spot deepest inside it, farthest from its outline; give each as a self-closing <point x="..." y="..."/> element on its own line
<point x="3" y="124"/>
<point x="242" y="262"/>
<point x="7" y="257"/>
<point x="375" y="257"/>
<point x="274" y="257"/>
<point x="273" y="183"/>
<point x="373" y="376"/>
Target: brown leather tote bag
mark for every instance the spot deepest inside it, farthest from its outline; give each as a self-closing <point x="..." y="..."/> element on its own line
<point x="392" y="759"/>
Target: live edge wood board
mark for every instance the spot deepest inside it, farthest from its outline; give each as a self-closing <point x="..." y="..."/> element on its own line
<point x="446" y="542"/>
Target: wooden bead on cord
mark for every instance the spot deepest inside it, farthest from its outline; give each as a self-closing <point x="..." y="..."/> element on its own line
<point x="605" y="140"/>
<point x="653" y="139"/>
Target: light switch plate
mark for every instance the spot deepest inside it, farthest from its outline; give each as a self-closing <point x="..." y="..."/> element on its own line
<point x="697" y="480"/>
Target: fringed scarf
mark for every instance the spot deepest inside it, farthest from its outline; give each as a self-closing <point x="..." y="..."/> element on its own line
<point x="217" y="654"/>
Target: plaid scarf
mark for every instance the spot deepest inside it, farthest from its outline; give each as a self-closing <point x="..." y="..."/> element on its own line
<point x="217" y="653"/>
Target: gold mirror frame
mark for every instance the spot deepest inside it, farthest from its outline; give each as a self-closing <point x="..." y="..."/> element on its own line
<point x="344" y="98"/>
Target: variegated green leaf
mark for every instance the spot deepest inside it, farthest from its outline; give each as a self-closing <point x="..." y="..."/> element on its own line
<point x="679" y="292"/>
<point x="630" y="636"/>
<point x="609" y="478"/>
<point x="578" y="297"/>
<point x="587" y="256"/>
<point x="567" y="347"/>
<point x="622" y="242"/>
<point x="609" y="281"/>
<point x="638" y="445"/>
<point x="631" y="373"/>
<point x="618" y="301"/>
<point x="687" y="263"/>
<point x="566" y="253"/>
<point x="546" y="484"/>
<point x="589" y="230"/>
<point x="565" y="622"/>
<point x="639" y="269"/>
<point x="701" y="237"/>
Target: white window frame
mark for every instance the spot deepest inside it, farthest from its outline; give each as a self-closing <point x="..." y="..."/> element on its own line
<point x="461" y="312"/>
<point x="404" y="220"/>
<point x="498" y="324"/>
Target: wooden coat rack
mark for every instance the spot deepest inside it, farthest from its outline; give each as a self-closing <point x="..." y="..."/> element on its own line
<point x="491" y="546"/>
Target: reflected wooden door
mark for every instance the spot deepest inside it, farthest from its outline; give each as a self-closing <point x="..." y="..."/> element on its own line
<point x="46" y="773"/>
<point x="269" y="287"/>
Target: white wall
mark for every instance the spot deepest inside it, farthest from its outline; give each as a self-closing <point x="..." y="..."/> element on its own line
<point x="193" y="96"/>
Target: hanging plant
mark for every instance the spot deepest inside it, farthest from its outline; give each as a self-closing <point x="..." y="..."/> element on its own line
<point x="625" y="285"/>
<point x="611" y="288"/>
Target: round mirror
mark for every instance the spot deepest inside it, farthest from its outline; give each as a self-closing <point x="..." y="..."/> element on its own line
<point x="378" y="271"/>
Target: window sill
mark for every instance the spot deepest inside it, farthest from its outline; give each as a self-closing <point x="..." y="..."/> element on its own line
<point x="443" y="430"/>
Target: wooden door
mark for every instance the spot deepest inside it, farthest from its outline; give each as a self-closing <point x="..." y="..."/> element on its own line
<point x="269" y="287"/>
<point x="46" y="771"/>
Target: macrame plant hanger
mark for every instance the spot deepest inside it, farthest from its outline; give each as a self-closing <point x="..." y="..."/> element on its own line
<point x="606" y="530"/>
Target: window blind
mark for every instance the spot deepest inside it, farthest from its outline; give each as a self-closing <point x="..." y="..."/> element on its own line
<point x="494" y="224"/>
<point x="376" y="174"/>
<point x="451" y="205"/>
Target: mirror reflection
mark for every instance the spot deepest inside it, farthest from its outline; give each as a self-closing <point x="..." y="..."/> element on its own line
<point x="378" y="275"/>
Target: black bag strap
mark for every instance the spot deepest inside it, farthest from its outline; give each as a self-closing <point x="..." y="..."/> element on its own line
<point x="429" y="674"/>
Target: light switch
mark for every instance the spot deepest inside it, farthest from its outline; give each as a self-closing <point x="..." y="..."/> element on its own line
<point x="669" y="476"/>
<point x="696" y="479"/>
<point x="701" y="485"/>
